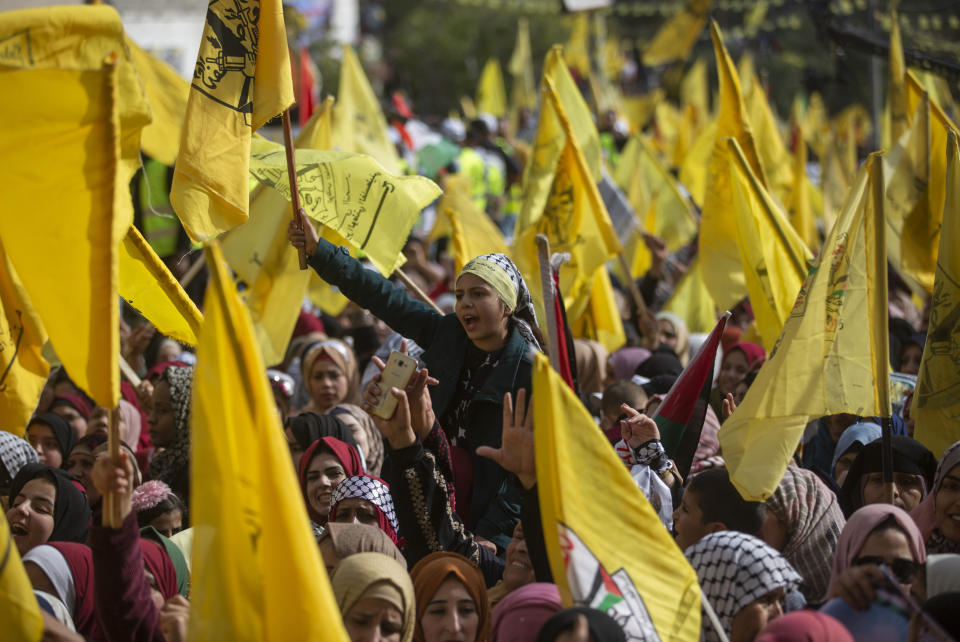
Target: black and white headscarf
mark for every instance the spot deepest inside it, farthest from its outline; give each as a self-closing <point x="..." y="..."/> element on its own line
<point x="170" y="463"/>
<point x="497" y="269"/>
<point x="15" y="453"/>
<point x="735" y="569"/>
<point x="374" y="490"/>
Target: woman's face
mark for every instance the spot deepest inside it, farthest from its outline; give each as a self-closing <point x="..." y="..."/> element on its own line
<point x="518" y="570"/>
<point x="31" y="515"/>
<point x="357" y="510"/>
<point x="481" y="312"/>
<point x="733" y="368"/>
<point x="80" y="465"/>
<point x="162" y="422"/>
<point x="887" y="545"/>
<point x="668" y="334"/>
<point x="327" y="384"/>
<point x="947" y="503"/>
<point x="323" y="474"/>
<point x="373" y="620"/>
<point x="843" y="465"/>
<point x="296" y="450"/>
<point x="907" y="490"/>
<point x="45" y="443"/>
<point x="910" y="358"/>
<point x="451" y="614"/>
<point x="168" y="524"/>
<point x="74" y="418"/>
<point x="751" y="619"/>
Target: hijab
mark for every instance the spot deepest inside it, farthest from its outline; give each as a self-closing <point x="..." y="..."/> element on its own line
<point x="814" y="520"/>
<point x="603" y="628"/>
<point x="377" y="576"/>
<point x="755" y="354"/>
<point x="520" y="615"/>
<point x="591" y="364"/>
<point x="663" y="360"/>
<point x="341" y="355"/>
<point x="350" y="539"/>
<point x="63" y="432"/>
<point x="130" y="415"/>
<point x="174" y="461"/>
<point x="71" y="512"/>
<point x="860" y="433"/>
<point x="357" y="420"/>
<point x="943" y="574"/>
<point x="433" y="570"/>
<point x="77" y="402"/>
<point x="173" y="552"/>
<point x="158" y="563"/>
<point x="308" y="427"/>
<point x="15" y="453"/>
<point x="862" y="523"/>
<point x="69" y="566"/>
<point x="683" y="335"/>
<point x="805" y="626"/>
<point x="734" y="570"/>
<point x="377" y="492"/>
<point x="500" y="273"/>
<point x="909" y="456"/>
<point x="624" y="362"/>
<point x="925" y="513"/>
<point x="348" y="457"/>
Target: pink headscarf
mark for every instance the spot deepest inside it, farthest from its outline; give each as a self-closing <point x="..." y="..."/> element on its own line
<point x="520" y="615"/>
<point x="624" y="362"/>
<point x="805" y="626"/>
<point x="755" y="354"/>
<point x="131" y="417"/>
<point x="862" y="523"/>
<point x="925" y="514"/>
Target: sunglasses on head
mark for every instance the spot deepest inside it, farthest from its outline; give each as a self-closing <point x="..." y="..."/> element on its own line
<point x="903" y="569"/>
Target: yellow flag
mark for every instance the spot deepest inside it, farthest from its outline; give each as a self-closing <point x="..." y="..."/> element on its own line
<point x="676" y="37"/>
<point x="648" y="587"/>
<point x="601" y="321"/>
<point x="167" y="94"/>
<point x="693" y="170"/>
<point x="242" y="80"/>
<point x="147" y="285"/>
<point x="245" y="500"/>
<point x="799" y="207"/>
<point x="773" y="154"/>
<point x="691" y="301"/>
<point x="896" y="88"/>
<point x="722" y="271"/>
<point x="834" y="182"/>
<point x="773" y="255"/>
<point x="577" y="51"/>
<point x="23" y="370"/>
<point x="78" y="115"/>
<point x="832" y="354"/>
<point x="491" y="94"/>
<point x="19" y="610"/>
<point x="351" y="194"/>
<point x="524" y="89"/>
<point x="936" y="406"/>
<point x="694" y="90"/>
<point x="358" y="122"/>
<point x="473" y="234"/>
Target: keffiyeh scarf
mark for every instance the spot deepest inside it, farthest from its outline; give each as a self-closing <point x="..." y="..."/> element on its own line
<point x="504" y="277"/>
<point x="168" y="465"/>
<point x="374" y="490"/>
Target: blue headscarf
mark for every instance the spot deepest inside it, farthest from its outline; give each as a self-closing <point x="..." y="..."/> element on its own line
<point x="861" y="433"/>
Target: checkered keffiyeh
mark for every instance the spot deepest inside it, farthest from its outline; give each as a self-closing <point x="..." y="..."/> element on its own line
<point x="15" y="453"/>
<point x="735" y="569"/>
<point x="374" y="490"/>
<point x="524" y="300"/>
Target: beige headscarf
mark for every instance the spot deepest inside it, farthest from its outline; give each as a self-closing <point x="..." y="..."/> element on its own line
<point x="591" y="364"/>
<point x="341" y="354"/>
<point x="374" y="575"/>
<point x="353" y="539"/>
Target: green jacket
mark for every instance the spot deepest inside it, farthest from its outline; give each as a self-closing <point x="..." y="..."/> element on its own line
<point x="495" y="505"/>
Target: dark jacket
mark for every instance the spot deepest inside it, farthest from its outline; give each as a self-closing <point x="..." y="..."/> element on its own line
<point x="495" y="505"/>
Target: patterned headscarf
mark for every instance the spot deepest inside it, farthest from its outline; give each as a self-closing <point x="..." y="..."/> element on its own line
<point x="814" y="520"/>
<point x="374" y="490"/>
<point x="15" y="453"/>
<point x="499" y="272"/>
<point x="167" y="465"/>
<point x="925" y="513"/>
<point x="734" y="570"/>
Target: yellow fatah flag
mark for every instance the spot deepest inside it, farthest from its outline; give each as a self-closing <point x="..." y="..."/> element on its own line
<point x="722" y="271"/>
<point x="693" y="170"/>
<point x="832" y="355"/>
<point x="773" y="154"/>
<point x="774" y="257"/>
<point x="524" y="88"/>
<point x="19" y="610"/>
<point x="576" y="110"/>
<point x="491" y="95"/>
<point x="167" y="94"/>
<point x="358" y="122"/>
<point x="694" y="90"/>
<point x="351" y="194"/>
<point x="936" y="405"/>
<point x="691" y="301"/>
<point x="601" y="321"/>
<point x="242" y="80"/>
<point x="23" y="370"/>
<point x="78" y="115"/>
<point x="246" y="503"/>
<point x="577" y="50"/>
<point x="473" y="234"/>
<point x="834" y="183"/>
<point x="648" y="587"/>
<point x="799" y="207"/>
<point x="896" y="87"/>
<point x="147" y="285"/>
<point x="676" y="37"/>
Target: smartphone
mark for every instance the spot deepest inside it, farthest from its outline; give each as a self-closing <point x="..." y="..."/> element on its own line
<point x="396" y="374"/>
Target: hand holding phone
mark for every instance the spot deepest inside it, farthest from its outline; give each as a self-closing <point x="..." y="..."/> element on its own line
<point x="396" y="374"/>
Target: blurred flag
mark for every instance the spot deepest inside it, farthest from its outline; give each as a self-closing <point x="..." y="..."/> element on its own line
<point x="692" y="302"/>
<point x="167" y="95"/>
<point x="524" y="89"/>
<point x="491" y="95"/>
<point x="19" y="610"/>
<point x="832" y="356"/>
<point x="896" y="87"/>
<point x="799" y="206"/>
<point x="576" y="52"/>
<point x="648" y="587"/>
<point x="773" y="154"/>
<point x="242" y="80"/>
<point x="676" y="37"/>
<point x="307" y="86"/>
<point x="601" y="320"/>
<point x="936" y="406"/>
<point x="473" y="234"/>
<point x="245" y="500"/>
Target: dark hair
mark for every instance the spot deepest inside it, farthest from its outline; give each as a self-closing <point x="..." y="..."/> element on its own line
<point x="168" y="504"/>
<point x="622" y="392"/>
<point x="719" y="501"/>
<point x="512" y="321"/>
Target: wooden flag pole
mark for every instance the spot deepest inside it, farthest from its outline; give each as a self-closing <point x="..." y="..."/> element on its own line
<point x="549" y="301"/>
<point x="111" y="503"/>
<point x="192" y="272"/>
<point x="413" y="287"/>
<point x="292" y="175"/>
<point x="129" y="373"/>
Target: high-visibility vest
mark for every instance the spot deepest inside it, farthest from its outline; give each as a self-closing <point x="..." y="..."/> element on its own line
<point x="160" y="225"/>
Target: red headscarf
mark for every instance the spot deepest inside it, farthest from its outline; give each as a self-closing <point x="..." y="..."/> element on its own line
<point x="755" y="354"/>
<point x="347" y="455"/>
<point x="77" y="402"/>
<point x="79" y="558"/>
<point x="158" y="563"/>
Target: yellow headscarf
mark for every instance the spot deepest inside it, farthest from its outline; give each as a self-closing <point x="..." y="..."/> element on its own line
<point x="375" y="575"/>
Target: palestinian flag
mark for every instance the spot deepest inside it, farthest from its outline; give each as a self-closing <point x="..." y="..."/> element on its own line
<point x="680" y="416"/>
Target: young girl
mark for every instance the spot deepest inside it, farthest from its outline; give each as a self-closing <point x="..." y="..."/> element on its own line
<point x="478" y="353"/>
